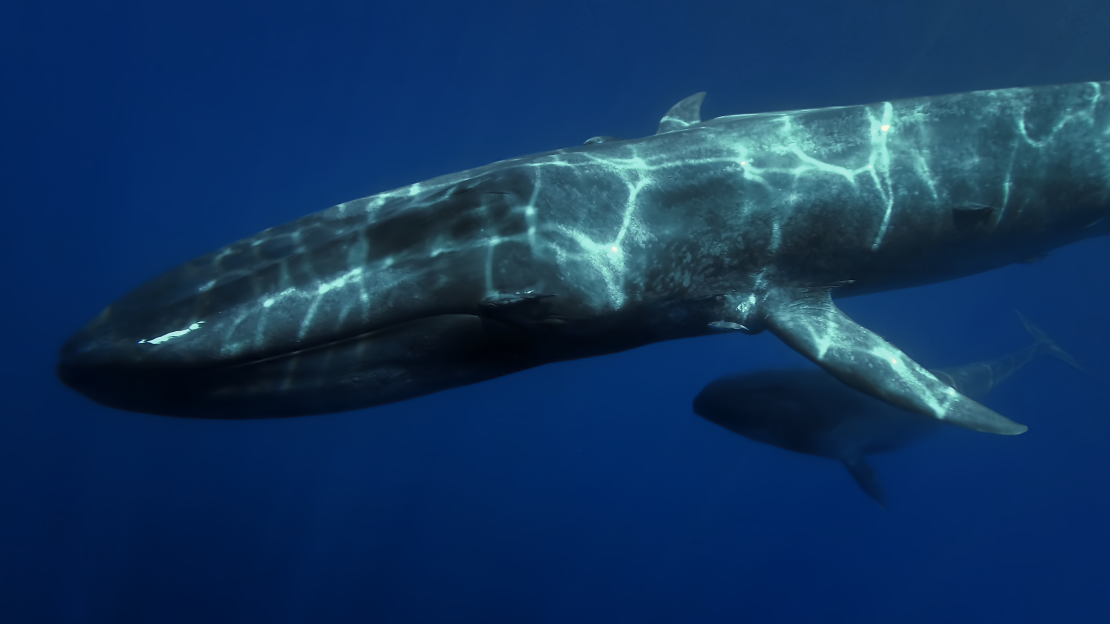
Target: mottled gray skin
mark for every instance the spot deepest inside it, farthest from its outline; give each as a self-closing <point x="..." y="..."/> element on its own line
<point x="745" y="222"/>
<point x="807" y="411"/>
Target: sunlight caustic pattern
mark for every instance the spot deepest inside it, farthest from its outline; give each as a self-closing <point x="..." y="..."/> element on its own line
<point x="592" y="212"/>
<point x="736" y="223"/>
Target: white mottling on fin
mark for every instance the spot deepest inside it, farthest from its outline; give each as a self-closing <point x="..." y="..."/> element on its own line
<point x="809" y="322"/>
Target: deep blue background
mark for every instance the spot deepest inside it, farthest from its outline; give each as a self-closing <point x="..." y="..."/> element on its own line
<point x="137" y="136"/>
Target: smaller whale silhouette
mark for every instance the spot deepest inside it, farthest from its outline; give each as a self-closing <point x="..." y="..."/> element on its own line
<point x="808" y="411"/>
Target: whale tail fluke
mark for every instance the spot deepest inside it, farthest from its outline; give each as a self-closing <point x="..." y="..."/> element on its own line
<point x="1046" y="345"/>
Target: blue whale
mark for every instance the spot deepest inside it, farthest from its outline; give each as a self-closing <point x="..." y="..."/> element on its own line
<point x="741" y="223"/>
<point x="809" y="412"/>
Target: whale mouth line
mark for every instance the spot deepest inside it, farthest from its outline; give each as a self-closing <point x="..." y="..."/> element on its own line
<point x="231" y="364"/>
<point x="322" y="346"/>
<point x="387" y="364"/>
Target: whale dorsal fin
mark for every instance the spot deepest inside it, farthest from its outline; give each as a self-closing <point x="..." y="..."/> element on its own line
<point x="600" y="139"/>
<point x="865" y="476"/>
<point x="682" y="115"/>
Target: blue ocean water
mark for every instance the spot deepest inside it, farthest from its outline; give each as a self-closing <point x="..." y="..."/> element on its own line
<point x="139" y="135"/>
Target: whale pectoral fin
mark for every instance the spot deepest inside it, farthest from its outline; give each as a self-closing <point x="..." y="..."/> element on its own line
<point x="812" y="325"/>
<point x="865" y="476"/>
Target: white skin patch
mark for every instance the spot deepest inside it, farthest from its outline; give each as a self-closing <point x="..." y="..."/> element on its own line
<point x="912" y="377"/>
<point x="173" y="334"/>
